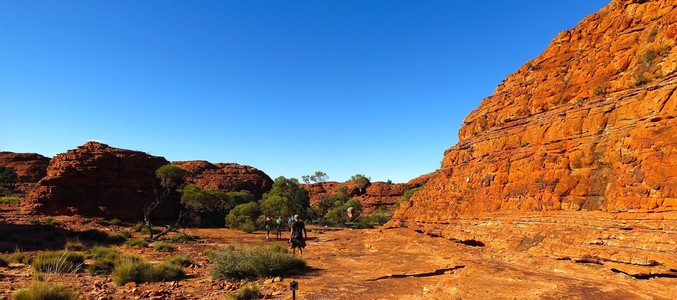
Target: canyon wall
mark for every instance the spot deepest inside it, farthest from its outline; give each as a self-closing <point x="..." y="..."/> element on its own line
<point x="574" y="155"/>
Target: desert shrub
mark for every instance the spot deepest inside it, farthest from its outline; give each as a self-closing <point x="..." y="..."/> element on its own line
<point x="3" y="262"/>
<point x="246" y="292"/>
<point x="45" y="291"/>
<point x="135" y="270"/>
<point x="125" y="233"/>
<point x="410" y="192"/>
<point x="144" y="230"/>
<point x="136" y="243"/>
<point x="21" y="257"/>
<point x="180" y="260"/>
<point x="104" y="260"/>
<point x="339" y="215"/>
<point x="74" y="246"/>
<point x="52" y="221"/>
<point x="371" y="220"/>
<point x="163" y="247"/>
<point x="182" y="238"/>
<point x="243" y="217"/>
<point x="7" y="177"/>
<point x="234" y="263"/>
<point x="58" y="262"/>
<point x="115" y="222"/>
<point x="10" y="200"/>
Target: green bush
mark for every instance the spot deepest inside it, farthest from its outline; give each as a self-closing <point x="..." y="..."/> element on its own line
<point x="10" y="200"/>
<point x="115" y="222"/>
<point x="58" y="262"/>
<point x="3" y="262"/>
<point x="163" y="247"/>
<point x="233" y="263"/>
<point x="74" y="246"/>
<point x="247" y="292"/>
<point x="243" y="217"/>
<point x="182" y="238"/>
<point x="180" y="260"/>
<point x="51" y="221"/>
<point x="128" y="269"/>
<point x="20" y="257"/>
<point x="45" y="291"/>
<point x="104" y="260"/>
<point x="136" y="243"/>
<point x="144" y="230"/>
<point x="125" y="233"/>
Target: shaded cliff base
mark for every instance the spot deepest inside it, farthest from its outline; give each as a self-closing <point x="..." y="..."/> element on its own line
<point x="639" y="245"/>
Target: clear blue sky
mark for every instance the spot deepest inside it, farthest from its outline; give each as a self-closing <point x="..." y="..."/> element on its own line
<point x="290" y="87"/>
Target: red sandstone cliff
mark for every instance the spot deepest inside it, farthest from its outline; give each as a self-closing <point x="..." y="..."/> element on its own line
<point x="98" y="180"/>
<point x="29" y="167"/>
<point x="581" y="133"/>
<point x="229" y="177"/>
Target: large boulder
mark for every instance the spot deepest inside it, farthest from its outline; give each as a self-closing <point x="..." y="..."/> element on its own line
<point x="586" y="133"/>
<point x="229" y="177"/>
<point x="98" y="180"/>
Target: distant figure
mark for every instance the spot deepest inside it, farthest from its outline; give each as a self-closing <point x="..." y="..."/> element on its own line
<point x="279" y="223"/>
<point x="268" y="220"/>
<point x="350" y="213"/>
<point x="298" y="235"/>
<point x="290" y="221"/>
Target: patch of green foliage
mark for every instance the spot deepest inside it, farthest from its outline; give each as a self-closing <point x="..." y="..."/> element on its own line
<point x="101" y="237"/>
<point x="3" y="262"/>
<point x="45" y="291"/>
<point x="163" y="247"/>
<point x="243" y="217"/>
<point x="58" y="262"/>
<point x="183" y="238"/>
<point x="246" y="292"/>
<point x="240" y="263"/>
<point x="74" y="246"/>
<point x="136" y="242"/>
<point x="7" y="177"/>
<point x="134" y="270"/>
<point x="180" y="260"/>
<point x="21" y="258"/>
<point x="10" y="200"/>
<point x="209" y="207"/>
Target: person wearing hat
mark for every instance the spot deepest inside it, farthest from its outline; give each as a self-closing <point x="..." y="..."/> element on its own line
<point x="298" y="235"/>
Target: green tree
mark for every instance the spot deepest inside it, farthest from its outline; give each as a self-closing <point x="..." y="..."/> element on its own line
<point x="361" y="181"/>
<point x="243" y="217"/>
<point x="7" y="177"/>
<point x="171" y="178"/>
<point x="285" y="198"/>
<point x="319" y="176"/>
<point x="209" y="207"/>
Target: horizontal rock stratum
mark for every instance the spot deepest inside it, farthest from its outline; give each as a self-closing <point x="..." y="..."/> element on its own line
<point x="574" y="156"/>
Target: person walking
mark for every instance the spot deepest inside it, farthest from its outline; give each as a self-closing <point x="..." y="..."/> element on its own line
<point x="279" y="223"/>
<point x="267" y="222"/>
<point x="298" y="235"/>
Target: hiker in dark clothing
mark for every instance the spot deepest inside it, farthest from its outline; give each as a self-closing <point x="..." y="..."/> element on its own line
<point x="298" y="235"/>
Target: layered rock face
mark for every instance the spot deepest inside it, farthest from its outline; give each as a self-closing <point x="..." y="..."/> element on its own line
<point x="587" y="131"/>
<point x="98" y="180"/>
<point x="229" y="177"/>
<point x="29" y="167"/>
<point x="375" y="195"/>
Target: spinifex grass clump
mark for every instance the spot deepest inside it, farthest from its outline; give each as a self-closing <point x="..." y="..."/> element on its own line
<point x="239" y="263"/>
<point x="104" y="260"/>
<point x="58" y="262"/>
<point x="180" y="260"/>
<point x="136" y="242"/>
<point x="130" y="269"/>
<point x="246" y="292"/>
<point x="44" y="290"/>
<point x="163" y="247"/>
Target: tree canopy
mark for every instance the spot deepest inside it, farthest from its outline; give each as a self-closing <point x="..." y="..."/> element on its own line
<point x="318" y="176"/>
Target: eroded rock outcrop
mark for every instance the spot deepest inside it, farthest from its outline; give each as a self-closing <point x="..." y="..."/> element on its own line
<point x="29" y="167"/>
<point x="98" y="180"/>
<point x="587" y="131"/>
<point x="372" y="197"/>
<point x="229" y="177"/>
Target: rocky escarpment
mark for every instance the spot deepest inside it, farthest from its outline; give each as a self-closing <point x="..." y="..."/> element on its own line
<point x="29" y="167"/>
<point x="98" y="180"/>
<point x="229" y="177"/>
<point x="372" y="197"/>
<point x="577" y="139"/>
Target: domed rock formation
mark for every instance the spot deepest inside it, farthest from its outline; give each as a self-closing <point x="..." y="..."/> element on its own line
<point x="574" y="156"/>
<point x="229" y="177"/>
<point x="29" y="167"/>
<point x="375" y="195"/>
<point x="98" y="180"/>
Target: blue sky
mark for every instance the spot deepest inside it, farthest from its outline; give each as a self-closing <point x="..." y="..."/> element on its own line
<point x="290" y="87"/>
